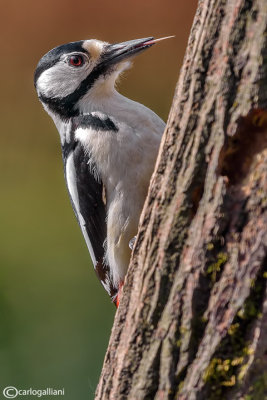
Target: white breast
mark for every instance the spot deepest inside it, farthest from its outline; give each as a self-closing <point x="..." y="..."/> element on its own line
<point x="125" y="161"/>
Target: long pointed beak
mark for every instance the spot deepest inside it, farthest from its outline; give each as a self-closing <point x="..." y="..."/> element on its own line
<point x="115" y="53"/>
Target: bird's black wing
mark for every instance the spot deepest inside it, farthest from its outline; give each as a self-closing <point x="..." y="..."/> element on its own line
<point x="88" y="201"/>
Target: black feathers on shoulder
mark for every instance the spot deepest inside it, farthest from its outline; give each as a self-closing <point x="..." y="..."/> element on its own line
<point x="95" y="122"/>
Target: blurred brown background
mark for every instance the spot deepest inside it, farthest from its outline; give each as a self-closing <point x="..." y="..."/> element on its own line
<point x="55" y="317"/>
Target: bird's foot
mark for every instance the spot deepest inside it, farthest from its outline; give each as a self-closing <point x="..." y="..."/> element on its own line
<point x="132" y="242"/>
<point x="118" y="296"/>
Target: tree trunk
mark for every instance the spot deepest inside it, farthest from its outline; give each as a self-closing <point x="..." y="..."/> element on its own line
<point x="192" y="321"/>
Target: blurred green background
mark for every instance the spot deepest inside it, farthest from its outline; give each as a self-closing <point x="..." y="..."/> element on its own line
<point x="55" y="316"/>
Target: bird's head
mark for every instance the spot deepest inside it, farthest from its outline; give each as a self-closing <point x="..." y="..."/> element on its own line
<point x="68" y="74"/>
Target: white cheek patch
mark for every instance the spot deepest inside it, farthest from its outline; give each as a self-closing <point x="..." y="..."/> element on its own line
<point x="61" y="80"/>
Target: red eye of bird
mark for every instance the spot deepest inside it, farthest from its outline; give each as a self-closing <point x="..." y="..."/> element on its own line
<point x="76" y="61"/>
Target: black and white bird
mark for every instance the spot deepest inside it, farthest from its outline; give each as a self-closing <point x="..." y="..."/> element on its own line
<point x="109" y="146"/>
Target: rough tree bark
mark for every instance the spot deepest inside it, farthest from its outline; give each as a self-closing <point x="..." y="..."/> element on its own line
<point x="192" y="321"/>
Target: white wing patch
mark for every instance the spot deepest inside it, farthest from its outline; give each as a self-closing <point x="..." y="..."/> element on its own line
<point x="71" y="183"/>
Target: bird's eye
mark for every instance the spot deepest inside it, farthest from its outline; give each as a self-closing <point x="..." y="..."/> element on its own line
<point x="76" y="60"/>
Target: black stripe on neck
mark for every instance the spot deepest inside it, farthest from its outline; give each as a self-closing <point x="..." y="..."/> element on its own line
<point x="66" y="107"/>
<point x="95" y="122"/>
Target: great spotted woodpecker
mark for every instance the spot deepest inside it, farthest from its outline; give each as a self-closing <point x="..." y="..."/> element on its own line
<point x="109" y="146"/>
